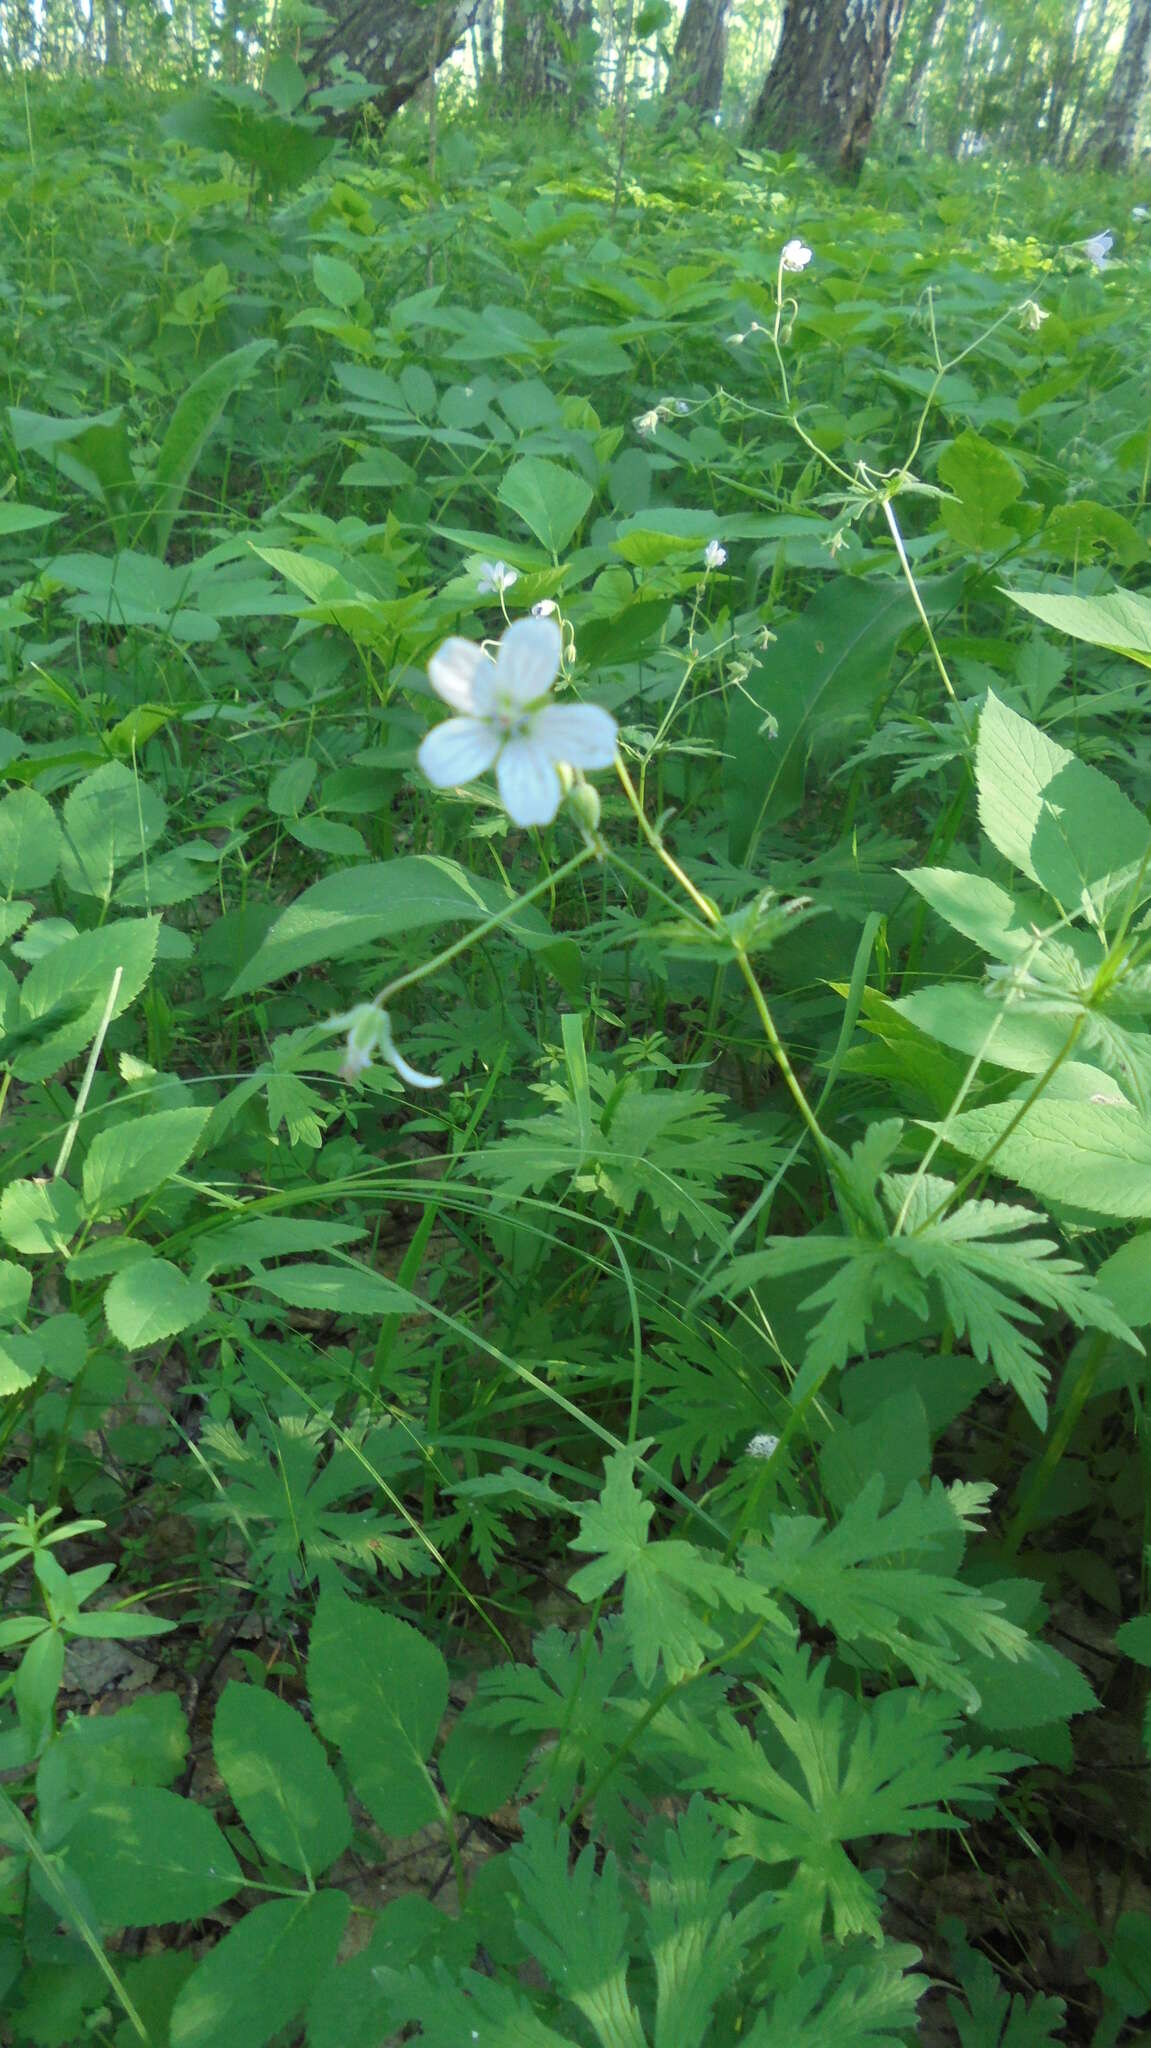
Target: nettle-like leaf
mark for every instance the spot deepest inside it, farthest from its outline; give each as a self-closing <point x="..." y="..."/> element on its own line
<point x="624" y="1141"/>
<point x="882" y="1579"/>
<point x="820" y="1769"/>
<point x="671" y="1588"/>
<point x="988" y="2016"/>
<point x="984" y="1285"/>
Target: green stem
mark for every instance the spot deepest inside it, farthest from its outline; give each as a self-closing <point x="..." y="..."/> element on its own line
<point x="1056" y="1444"/>
<point x="481" y="931"/>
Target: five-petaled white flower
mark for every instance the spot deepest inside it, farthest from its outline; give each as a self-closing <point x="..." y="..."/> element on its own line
<point x="506" y="718"/>
<point x="1099" y="248"/>
<point x="714" y="555"/>
<point x="497" y="577"/>
<point x="795" y="255"/>
<point x="369" y="1032"/>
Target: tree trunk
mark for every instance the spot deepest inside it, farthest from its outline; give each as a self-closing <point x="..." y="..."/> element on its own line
<point x="1113" y="143"/>
<point x="113" y="51"/>
<point x="825" y="85"/>
<point x="696" y="75"/>
<point x="911" y="93"/>
<point x="393" y="43"/>
<point x="486" y="23"/>
<point x="538" y="47"/>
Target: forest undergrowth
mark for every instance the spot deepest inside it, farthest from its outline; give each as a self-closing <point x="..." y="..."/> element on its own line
<point x="576" y="1090"/>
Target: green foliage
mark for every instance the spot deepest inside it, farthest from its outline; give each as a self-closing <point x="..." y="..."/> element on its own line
<point x="550" y="1550"/>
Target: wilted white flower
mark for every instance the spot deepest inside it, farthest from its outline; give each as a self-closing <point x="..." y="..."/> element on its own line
<point x="544" y="607"/>
<point x="370" y="1033"/>
<point x="1032" y="315"/>
<point x="1141" y="213"/>
<point x="1099" y="248"/>
<point x="736" y="340"/>
<point x="507" y="720"/>
<point x="497" y="577"/>
<point x="796" y="254"/>
<point x="763" y="1446"/>
<point x="714" y="555"/>
<point x="647" y="423"/>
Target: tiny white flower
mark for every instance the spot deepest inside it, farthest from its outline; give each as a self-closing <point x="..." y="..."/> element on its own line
<point x="714" y="555"/>
<point x="736" y="340"/>
<point x="796" y="254"/>
<point x="1099" y="248"/>
<point x="1141" y="213"/>
<point x="497" y="577"/>
<point x="1032" y="315"/>
<point x="544" y="607"/>
<point x="762" y="1446"/>
<point x="682" y="407"/>
<point x="647" y="423"/>
<point x="507" y="721"/>
<point x="370" y="1033"/>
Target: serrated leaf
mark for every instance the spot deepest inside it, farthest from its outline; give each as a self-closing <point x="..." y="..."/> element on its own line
<point x="255" y="1981"/>
<point x="151" y="1300"/>
<point x="133" y="1160"/>
<point x="148" y="1857"/>
<point x="379" y="1689"/>
<point x="284" y="1788"/>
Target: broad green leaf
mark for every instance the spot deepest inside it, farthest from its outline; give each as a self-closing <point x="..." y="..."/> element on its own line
<point x="24" y="518"/>
<point x="93" y="452"/>
<point x="551" y="501"/>
<point x="284" y="1789"/>
<point x="347" y="912"/>
<point x="986" y="482"/>
<point x="1088" y="1154"/>
<point x="191" y="423"/>
<point x="339" y="282"/>
<point x="39" y="1216"/>
<point x="1133" y="1639"/>
<point x="1120" y="621"/>
<point x="30" y="840"/>
<point x="151" y="1300"/>
<point x="15" y="1291"/>
<point x="1002" y="925"/>
<point x="349" y="1290"/>
<point x="1076" y="529"/>
<point x="21" y="1360"/>
<point x="830" y="664"/>
<point x="147" y="1857"/>
<point x="133" y="1160"/>
<point x="80" y="973"/>
<point x="109" y="819"/>
<point x="255" y="1981"/>
<point x="1065" y="825"/>
<point x="481" y="1766"/>
<point x="1125" y="1279"/>
<point x="378" y="1690"/>
<point x="350" y="2008"/>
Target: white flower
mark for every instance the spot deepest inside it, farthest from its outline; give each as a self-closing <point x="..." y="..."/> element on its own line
<point x="762" y="1446"/>
<point x="544" y="607"/>
<point x="682" y="407"/>
<point x="647" y="423"/>
<point x="1141" y="213"/>
<point x="736" y="340"/>
<point x="714" y="555"/>
<point x="1099" y="248"/>
<point x="496" y="576"/>
<point x="370" y="1032"/>
<point x="1032" y="315"/>
<point x="796" y="254"/>
<point x="507" y="719"/>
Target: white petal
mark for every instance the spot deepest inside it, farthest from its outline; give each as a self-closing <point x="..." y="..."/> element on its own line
<point x="528" y="660"/>
<point x="453" y="669"/>
<point x="456" y="751"/>
<point x="529" y="785"/>
<point x="409" y="1074"/>
<point x="581" y="734"/>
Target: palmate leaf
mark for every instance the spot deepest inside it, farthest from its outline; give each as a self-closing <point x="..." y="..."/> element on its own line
<point x="477" y="2009"/>
<point x="671" y="1588"/>
<point x="673" y="1145"/>
<point x="871" y="2006"/>
<point x="985" y="1286"/>
<point x="847" y="1768"/>
<point x="877" y="1578"/>
<point x="698" y="1944"/>
<point x="574" y="1923"/>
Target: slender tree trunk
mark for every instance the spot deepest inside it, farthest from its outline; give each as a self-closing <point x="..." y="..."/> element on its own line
<point x="1087" y="67"/>
<point x="113" y="50"/>
<point x="538" y="47"/>
<point x="486" y="25"/>
<point x="911" y="91"/>
<point x="824" y="88"/>
<point x="695" y="78"/>
<point x="394" y="43"/>
<point x="1112" y="144"/>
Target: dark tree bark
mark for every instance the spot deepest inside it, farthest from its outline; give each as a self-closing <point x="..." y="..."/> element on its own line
<point x="394" y="44"/>
<point x="1113" y="143"/>
<point x="538" y="46"/>
<point x="696" y="76"/>
<point x="113" y="49"/>
<point x="911" y="91"/>
<point x="824" y="88"/>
